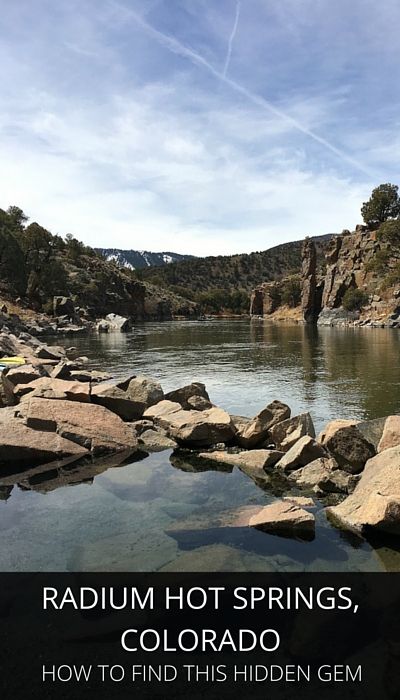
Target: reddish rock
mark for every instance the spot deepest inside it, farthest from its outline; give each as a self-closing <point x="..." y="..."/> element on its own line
<point x="93" y="427"/>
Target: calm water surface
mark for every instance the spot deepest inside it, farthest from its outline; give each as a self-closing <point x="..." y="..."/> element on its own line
<point x="158" y="514"/>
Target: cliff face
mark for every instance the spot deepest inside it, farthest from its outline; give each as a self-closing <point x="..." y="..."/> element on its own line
<point x="347" y="259"/>
<point x="102" y="288"/>
<point x="350" y="264"/>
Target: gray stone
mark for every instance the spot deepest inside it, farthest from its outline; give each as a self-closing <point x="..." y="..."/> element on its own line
<point x="303" y="452"/>
<point x="323" y="476"/>
<point x="257" y="430"/>
<point x="284" y="517"/>
<point x="347" y="445"/>
<point x="185" y="393"/>
<point x="286" y="433"/>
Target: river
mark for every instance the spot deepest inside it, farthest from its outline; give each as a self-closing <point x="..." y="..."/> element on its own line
<point x="139" y="517"/>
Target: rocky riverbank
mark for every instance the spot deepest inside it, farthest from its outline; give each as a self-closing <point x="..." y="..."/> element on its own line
<point x="61" y="424"/>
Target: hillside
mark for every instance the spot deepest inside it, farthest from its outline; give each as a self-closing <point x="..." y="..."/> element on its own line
<point x="225" y="282"/>
<point x="36" y="265"/>
<point x="139" y="259"/>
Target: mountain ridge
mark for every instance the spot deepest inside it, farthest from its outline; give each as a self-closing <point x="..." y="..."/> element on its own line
<point x="141" y="259"/>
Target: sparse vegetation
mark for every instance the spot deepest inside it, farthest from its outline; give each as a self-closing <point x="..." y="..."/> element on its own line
<point x="354" y="299"/>
<point x="378" y="264"/>
<point x="389" y="232"/>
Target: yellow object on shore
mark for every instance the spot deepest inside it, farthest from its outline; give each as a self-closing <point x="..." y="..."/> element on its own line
<point x="12" y="361"/>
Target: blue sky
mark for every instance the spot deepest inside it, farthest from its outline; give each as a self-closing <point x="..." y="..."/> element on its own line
<point x="200" y="126"/>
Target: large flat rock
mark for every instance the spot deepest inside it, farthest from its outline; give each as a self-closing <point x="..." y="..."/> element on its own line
<point x="22" y="446"/>
<point x="88" y="425"/>
<point x="192" y="428"/>
<point x="375" y="502"/>
<point x="284" y="517"/>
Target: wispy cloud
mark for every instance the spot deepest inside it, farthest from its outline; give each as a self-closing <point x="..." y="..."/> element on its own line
<point x="125" y="128"/>
<point x="231" y="39"/>
<point x="172" y="44"/>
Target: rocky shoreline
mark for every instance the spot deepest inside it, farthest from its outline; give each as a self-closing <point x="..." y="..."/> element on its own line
<point x="61" y="423"/>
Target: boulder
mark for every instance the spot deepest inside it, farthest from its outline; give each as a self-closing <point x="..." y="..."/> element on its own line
<point x="303" y="452"/>
<point x="22" y="445"/>
<point x="140" y="426"/>
<point x="160" y="412"/>
<point x="81" y="375"/>
<point x="284" y="517"/>
<point x="198" y="403"/>
<point x="49" y="388"/>
<point x="55" y="352"/>
<point x="391" y="434"/>
<point x="63" y="306"/>
<point x="286" y="433"/>
<point x="375" y="502"/>
<point x="185" y="393"/>
<point x="124" y="383"/>
<point x="144" y="392"/>
<point x="257" y="430"/>
<point x="19" y="376"/>
<point x="347" y="445"/>
<point x="257" y="460"/>
<point x="62" y="370"/>
<point x="118" y="323"/>
<point x="333" y="426"/>
<point x="198" y="428"/>
<point x="323" y="476"/>
<point x="115" y="400"/>
<point x="92" y="427"/>
<point x="240" y="423"/>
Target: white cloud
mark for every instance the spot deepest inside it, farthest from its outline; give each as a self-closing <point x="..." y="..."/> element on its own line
<point x="179" y="157"/>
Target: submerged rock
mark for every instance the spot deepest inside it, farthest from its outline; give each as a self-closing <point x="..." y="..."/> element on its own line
<point x="286" y="433"/>
<point x="375" y="502"/>
<point x="257" y="460"/>
<point x="155" y="441"/>
<point x="284" y="517"/>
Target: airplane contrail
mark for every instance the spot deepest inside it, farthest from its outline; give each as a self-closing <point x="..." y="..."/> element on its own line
<point x="232" y="39"/>
<point x="175" y="46"/>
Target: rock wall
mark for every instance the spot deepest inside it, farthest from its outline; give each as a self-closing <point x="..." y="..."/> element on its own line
<point x="264" y="299"/>
<point x="347" y="258"/>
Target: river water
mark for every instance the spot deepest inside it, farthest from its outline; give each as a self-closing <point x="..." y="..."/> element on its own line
<point x="155" y="514"/>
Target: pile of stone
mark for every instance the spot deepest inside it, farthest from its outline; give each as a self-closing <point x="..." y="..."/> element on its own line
<point x="54" y="408"/>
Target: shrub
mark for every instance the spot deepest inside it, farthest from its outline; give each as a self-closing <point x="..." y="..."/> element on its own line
<point x="389" y="232"/>
<point x="383" y="204"/>
<point x="291" y="292"/>
<point x="391" y="278"/>
<point x="354" y="299"/>
<point x="379" y="262"/>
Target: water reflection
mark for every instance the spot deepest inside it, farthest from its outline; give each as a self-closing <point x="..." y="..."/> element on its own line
<point x="135" y="514"/>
